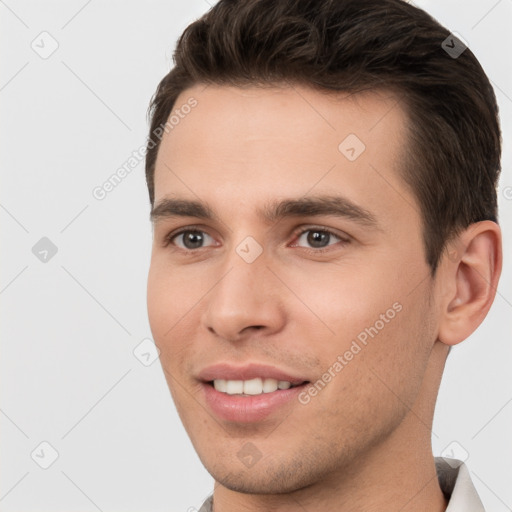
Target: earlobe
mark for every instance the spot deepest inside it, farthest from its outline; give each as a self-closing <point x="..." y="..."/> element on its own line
<point x="474" y="269"/>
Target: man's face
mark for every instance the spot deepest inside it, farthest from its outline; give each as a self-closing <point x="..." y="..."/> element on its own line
<point x="284" y="292"/>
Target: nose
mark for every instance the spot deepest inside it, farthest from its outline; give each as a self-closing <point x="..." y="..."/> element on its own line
<point x="245" y="300"/>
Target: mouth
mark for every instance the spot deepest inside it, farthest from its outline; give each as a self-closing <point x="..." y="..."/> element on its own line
<point x="253" y="387"/>
<point x="251" y="392"/>
<point x="234" y="405"/>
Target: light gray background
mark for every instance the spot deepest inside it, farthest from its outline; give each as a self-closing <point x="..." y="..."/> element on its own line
<point x="70" y="325"/>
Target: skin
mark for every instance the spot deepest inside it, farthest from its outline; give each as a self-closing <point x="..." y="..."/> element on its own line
<point x="364" y="441"/>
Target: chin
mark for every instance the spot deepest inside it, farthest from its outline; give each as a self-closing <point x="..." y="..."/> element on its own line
<point x="263" y="477"/>
<point x="256" y="484"/>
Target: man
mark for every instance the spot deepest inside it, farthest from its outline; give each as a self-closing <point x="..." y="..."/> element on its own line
<point x="322" y="176"/>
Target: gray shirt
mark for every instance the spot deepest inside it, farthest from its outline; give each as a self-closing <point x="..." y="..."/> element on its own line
<point x="453" y="478"/>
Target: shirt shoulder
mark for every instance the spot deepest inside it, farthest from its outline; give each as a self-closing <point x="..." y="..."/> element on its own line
<point x="455" y="482"/>
<point x="207" y="505"/>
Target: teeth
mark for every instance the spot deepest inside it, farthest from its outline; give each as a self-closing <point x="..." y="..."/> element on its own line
<point x="270" y="385"/>
<point x="234" y="387"/>
<point x="220" y="385"/>
<point x="255" y="386"/>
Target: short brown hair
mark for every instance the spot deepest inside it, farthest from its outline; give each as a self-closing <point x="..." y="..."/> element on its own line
<point x="453" y="159"/>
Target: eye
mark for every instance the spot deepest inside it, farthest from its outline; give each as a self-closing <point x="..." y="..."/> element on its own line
<point x="318" y="238"/>
<point x="188" y="239"/>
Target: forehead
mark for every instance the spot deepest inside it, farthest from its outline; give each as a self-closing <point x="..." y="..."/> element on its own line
<point x="247" y="144"/>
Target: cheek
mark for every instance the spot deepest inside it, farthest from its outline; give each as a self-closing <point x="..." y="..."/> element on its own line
<point x="394" y="359"/>
<point x="373" y="321"/>
<point x="164" y="312"/>
<point x="158" y="302"/>
<point x="166" y="305"/>
<point x="344" y="298"/>
<point x="171" y="295"/>
<point x="173" y="301"/>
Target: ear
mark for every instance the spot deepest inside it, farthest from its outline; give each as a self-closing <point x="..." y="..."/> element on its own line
<point x="470" y="273"/>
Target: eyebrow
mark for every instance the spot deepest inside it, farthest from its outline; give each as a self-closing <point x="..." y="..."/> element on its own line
<point x="328" y="205"/>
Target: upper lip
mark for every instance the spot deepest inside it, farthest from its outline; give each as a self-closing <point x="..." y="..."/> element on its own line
<point x="250" y="371"/>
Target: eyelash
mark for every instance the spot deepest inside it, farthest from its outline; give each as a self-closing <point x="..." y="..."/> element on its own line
<point x="296" y="234"/>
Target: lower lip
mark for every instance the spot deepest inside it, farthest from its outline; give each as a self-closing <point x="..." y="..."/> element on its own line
<point x="248" y="409"/>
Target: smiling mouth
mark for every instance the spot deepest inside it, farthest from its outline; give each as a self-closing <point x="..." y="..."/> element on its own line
<point x="252" y="387"/>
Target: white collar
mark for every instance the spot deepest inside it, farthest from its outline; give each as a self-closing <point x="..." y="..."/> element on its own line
<point x="457" y="486"/>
